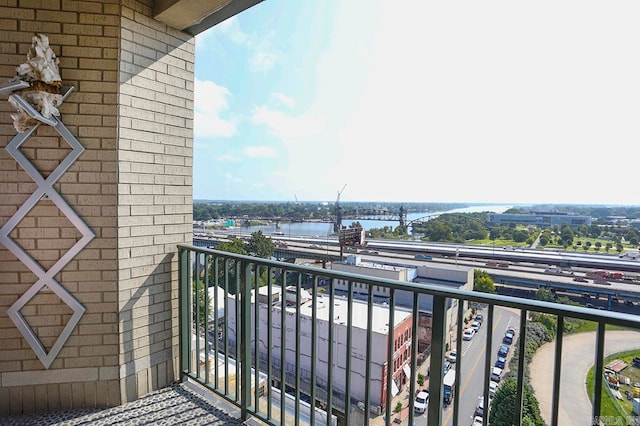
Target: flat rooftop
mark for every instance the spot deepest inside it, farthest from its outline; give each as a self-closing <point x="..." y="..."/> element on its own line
<point x="359" y="312"/>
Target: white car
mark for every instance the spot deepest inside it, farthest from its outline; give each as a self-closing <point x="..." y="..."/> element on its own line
<point x="421" y="402"/>
<point x="468" y="334"/>
<point x="452" y="357"/>
<point x="475" y="325"/>
<point x="493" y="387"/>
<point x="477" y="421"/>
<point x="496" y="374"/>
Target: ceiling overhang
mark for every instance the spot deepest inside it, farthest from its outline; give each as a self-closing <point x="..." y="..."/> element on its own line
<point x="196" y="16"/>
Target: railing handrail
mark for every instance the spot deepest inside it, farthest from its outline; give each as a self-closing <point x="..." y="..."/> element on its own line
<point x="235" y="274"/>
<point x="578" y="312"/>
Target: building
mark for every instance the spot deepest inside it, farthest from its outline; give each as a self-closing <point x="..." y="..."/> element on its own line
<point x="453" y="276"/>
<point x="377" y="360"/>
<point x="539" y="219"/>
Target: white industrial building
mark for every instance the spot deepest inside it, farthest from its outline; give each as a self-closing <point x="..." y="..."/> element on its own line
<point x="434" y="273"/>
<point x="377" y="358"/>
<point x="446" y="275"/>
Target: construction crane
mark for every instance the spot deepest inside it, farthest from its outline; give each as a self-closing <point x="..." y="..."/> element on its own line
<point x="337" y="226"/>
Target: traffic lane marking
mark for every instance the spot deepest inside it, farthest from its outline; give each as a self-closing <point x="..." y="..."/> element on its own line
<point x="473" y="369"/>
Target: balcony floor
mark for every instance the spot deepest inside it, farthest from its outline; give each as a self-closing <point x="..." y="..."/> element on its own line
<point x="178" y="404"/>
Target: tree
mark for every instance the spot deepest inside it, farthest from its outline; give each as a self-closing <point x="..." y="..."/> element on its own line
<point x="199" y="292"/>
<point x="503" y="405"/>
<point x="566" y="234"/>
<point x="260" y="245"/>
<point x="545" y="295"/>
<point x="235" y="246"/>
<point x="483" y="282"/>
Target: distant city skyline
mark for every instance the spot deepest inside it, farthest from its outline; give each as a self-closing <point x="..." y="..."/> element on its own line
<point x="496" y="102"/>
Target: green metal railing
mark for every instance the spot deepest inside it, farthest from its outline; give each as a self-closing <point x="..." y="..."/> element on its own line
<point x="256" y="355"/>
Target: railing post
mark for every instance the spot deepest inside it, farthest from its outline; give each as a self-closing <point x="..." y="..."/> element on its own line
<point x="438" y="337"/>
<point x="521" y="359"/>
<point x="597" y="373"/>
<point x="183" y="303"/>
<point x="245" y="333"/>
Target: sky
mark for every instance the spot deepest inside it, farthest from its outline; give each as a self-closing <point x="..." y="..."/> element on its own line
<point x="420" y="101"/>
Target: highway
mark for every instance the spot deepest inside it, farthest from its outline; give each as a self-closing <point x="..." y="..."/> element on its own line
<point x="507" y="267"/>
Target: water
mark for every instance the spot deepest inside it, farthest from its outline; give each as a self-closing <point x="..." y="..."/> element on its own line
<point x="325" y="228"/>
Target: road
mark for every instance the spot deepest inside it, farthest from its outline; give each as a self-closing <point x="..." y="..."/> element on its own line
<point x="578" y="357"/>
<point x="472" y="362"/>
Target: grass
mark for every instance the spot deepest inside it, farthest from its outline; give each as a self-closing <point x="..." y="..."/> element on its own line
<point x="587" y="326"/>
<point x="612" y="410"/>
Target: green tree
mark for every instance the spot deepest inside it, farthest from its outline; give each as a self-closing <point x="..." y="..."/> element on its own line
<point x="199" y="292"/>
<point x="483" y="282"/>
<point x="227" y="266"/>
<point x="260" y="246"/>
<point x="234" y="246"/>
<point x="566" y="234"/>
<point x="503" y="406"/>
<point x="545" y="295"/>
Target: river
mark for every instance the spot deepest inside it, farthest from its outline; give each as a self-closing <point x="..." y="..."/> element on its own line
<point x="324" y="229"/>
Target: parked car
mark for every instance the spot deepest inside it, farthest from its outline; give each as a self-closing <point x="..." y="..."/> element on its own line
<point x="479" y="318"/>
<point x="421" y="402"/>
<point x="508" y="338"/>
<point x="475" y="325"/>
<point x="503" y="351"/>
<point x="496" y="374"/>
<point x="453" y="356"/>
<point x="480" y="407"/>
<point x="468" y="334"/>
<point x="493" y="387"/>
<point x="501" y="362"/>
<point x="477" y="421"/>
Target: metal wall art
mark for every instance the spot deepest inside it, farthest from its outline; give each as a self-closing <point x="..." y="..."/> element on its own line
<point x="35" y="93"/>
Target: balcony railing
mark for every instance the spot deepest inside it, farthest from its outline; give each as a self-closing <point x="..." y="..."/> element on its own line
<point x="289" y="360"/>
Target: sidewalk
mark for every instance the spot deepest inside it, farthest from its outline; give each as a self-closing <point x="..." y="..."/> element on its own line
<point x="577" y="358"/>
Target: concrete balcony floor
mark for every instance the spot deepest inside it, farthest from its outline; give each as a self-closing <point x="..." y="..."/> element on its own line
<point x="178" y="404"/>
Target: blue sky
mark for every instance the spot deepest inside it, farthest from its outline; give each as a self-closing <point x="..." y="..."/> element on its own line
<point x="467" y="101"/>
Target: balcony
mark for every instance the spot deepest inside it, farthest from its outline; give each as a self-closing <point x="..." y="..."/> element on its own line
<point x="238" y="349"/>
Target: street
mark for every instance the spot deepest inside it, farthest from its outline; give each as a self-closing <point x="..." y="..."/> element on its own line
<point x="472" y="361"/>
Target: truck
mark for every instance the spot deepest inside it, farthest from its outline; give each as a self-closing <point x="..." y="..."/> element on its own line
<point x="449" y="381"/>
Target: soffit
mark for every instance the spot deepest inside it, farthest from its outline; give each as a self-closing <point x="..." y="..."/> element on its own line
<point x="196" y="16"/>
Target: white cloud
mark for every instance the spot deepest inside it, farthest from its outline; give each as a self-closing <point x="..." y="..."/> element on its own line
<point x="233" y="178"/>
<point x="260" y="152"/>
<point x="262" y="60"/>
<point x="283" y="99"/>
<point x="287" y="126"/>
<point x="210" y="102"/>
<point x="229" y="158"/>
<point x="231" y="28"/>
<point x="260" y="56"/>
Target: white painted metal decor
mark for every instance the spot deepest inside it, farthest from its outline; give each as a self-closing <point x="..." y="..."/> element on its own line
<point x="45" y="190"/>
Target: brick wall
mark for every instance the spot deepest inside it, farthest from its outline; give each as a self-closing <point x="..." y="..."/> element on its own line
<point x="154" y="194"/>
<point x="132" y="111"/>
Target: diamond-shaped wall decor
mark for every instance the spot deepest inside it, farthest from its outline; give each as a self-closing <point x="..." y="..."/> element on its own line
<point x="45" y="189"/>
